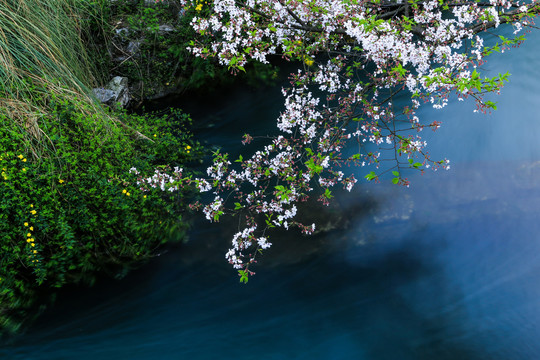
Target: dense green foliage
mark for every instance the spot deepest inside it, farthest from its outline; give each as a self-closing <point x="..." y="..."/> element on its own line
<point x="69" y="208"/>
<point x="73" y="211"/>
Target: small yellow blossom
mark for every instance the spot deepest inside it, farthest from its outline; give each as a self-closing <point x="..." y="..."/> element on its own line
<point x="29" y="240"/>
<point x="124" y="191"/>
<point x="24" y="160"/>
<point x="198" y="7"/>
<point x="128" y="194"/>
<point x="32" y="244"/>
<point x="188" y="147"/>
<point x="28" y="235"/>
<point x="31" y="205"/>
<point x="33" y="212"/>
<point x="31" y="228"/>
<point x="60" y="181"/>
<point x="20" y="156"/>
<point x="308" y="61"/>
<point x="25" y="224"/>
<point x="144" y="196"/>
<point x="188" y="151"/>
<point x="24" y="169"/>
<point x="35" y="251"/>
<point x="155" y="135"/>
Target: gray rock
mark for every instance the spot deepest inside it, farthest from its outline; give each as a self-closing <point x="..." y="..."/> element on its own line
<point x="133" y="47"/>
<point x="163" y="29"/>
<point x="103" y="95"/>
<point x="122" y="31"/>
<point x="115" y="93"/>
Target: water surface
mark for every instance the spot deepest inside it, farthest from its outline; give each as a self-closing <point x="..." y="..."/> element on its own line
<point x="446" y="269"/>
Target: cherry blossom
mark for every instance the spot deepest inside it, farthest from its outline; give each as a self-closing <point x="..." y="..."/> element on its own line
<point x="356" y="59"/>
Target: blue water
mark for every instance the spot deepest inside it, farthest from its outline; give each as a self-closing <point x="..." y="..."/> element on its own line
<point x="446" y="269"/>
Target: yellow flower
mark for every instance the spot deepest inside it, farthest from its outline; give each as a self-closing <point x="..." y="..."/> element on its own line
<point x="60" y="181"/>
<point x="124" y="191"/>
<point x="155" y="135"/>
<point x="308" y="61"/>
<point x="144" y="196"/>
<point x="188" y="147"/>
<point x="33" y="212"/>
<point x="35" y="251"/>
<point x="20" y="156"/>
<point x="25" y="224"/>
<point x="31" y="228"/>
<point x="198" y="7"/>
<point x="31" y="205"/>
<point x="29" y="240"/>
<point x="128" y="194"/>
<point x="32" y="244"/>
<point x="188" y="151"/>
<point x="24" y="160"/>
<point x="28" y="235"/>
<point x="24" y="169"/>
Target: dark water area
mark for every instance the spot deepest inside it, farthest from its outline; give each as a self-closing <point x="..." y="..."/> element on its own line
<point x="446" y="269"/>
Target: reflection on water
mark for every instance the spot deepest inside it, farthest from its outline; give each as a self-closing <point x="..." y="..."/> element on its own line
<point x="447" y="269"/>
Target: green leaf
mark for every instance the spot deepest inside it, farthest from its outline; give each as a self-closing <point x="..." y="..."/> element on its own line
<point x="371" y="176"/>
<point x="243" y="276"/>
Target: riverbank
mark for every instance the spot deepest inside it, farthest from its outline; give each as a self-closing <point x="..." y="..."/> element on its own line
<point x="71" y="208"/>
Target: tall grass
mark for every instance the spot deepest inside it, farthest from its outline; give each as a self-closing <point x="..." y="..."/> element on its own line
<point x="42" y="53"/>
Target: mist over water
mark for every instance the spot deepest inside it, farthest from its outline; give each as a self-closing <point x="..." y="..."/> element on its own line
<point x="446" y="269"/>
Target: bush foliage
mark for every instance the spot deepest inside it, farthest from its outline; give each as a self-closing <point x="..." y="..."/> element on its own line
<point x="73" y="211"/>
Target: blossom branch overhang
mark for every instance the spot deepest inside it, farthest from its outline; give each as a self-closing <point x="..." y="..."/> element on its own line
<point x="308" y="154"/>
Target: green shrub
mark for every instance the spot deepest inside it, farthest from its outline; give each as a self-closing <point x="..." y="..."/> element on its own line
<point x="74" y="211"/>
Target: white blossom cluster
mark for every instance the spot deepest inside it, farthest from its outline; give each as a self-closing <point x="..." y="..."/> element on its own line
<point x="354" y="56"/>
<point x="242" y="241"/>
<point x="162" y="179"/>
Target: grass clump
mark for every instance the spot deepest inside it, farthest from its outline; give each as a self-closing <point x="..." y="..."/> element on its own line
<point x="41" y="48"/>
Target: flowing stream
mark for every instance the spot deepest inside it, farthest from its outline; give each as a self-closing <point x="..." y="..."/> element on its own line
<point x="446" y="269"/>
